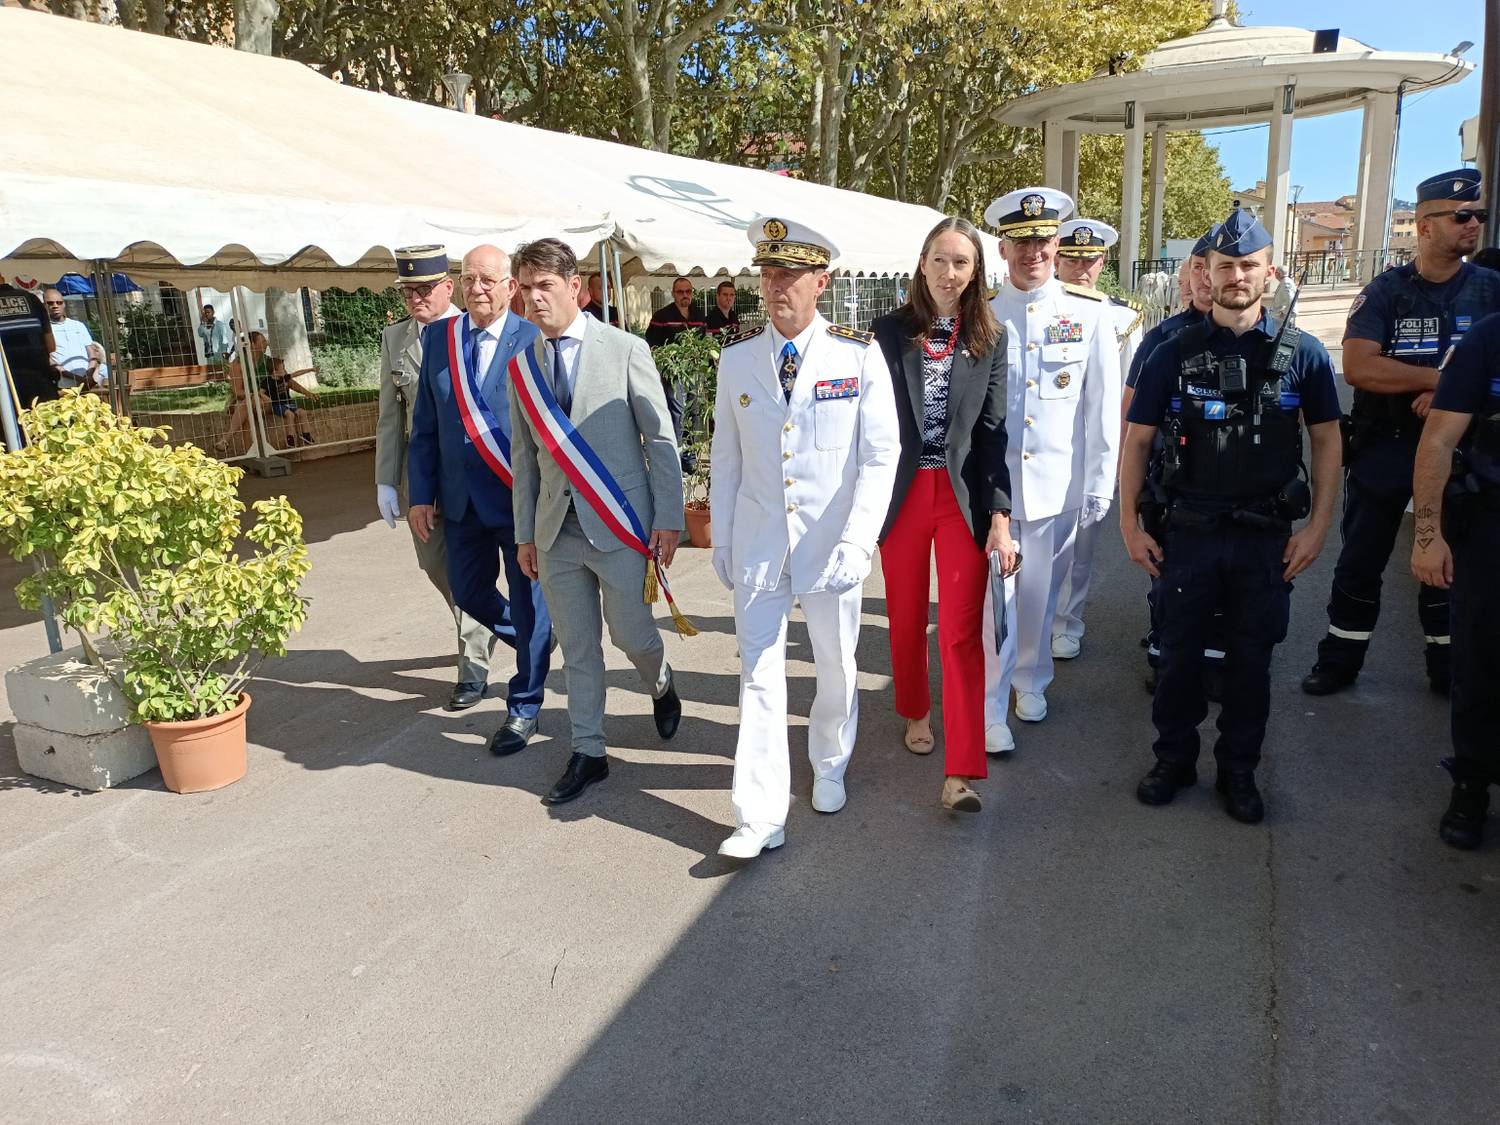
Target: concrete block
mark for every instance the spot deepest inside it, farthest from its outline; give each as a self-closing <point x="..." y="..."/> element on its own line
<point x="89" y="761"/>
<point x="63" y="692"/>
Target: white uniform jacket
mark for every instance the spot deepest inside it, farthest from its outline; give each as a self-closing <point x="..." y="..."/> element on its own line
<point x="1063" y="416"/>
<point x="795" y="478"/>
<point x="1128" y="330"/>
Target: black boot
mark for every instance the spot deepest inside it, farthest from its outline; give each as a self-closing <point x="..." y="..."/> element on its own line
<point x="1325" y="679"/>
<point x="1462" y="825"/>
<point x="1160" y="785"/>
<point x="1241" y="798"/>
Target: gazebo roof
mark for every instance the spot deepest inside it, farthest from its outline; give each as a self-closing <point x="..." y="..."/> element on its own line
<point x="1230" y="75"/>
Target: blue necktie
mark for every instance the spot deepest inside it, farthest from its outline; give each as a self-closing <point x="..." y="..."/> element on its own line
<point x="788" y="369"/>
<point x="560" y="389"/>
<point x="471" y="352"/>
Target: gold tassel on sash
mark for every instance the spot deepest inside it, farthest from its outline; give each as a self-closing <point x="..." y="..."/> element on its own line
<point x="653" y="594"/>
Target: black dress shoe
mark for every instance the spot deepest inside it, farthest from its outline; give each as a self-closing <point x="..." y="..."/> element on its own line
<point x="667" y="710"/>
<point x="466" y="693"/>
<point x="1326" y="680"/>
<point x="1160" y="785"/>
<point x="582" y="772"/>
<point x="1241" y="797"/>
<point x="513" y="736"/>
<point x="1462" y="825"/>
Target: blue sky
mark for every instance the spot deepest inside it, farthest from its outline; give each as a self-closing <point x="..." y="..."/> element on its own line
<point x="1326" y="149"/>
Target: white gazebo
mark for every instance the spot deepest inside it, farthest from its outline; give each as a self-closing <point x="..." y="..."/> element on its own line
<point x="1229" y="75"/>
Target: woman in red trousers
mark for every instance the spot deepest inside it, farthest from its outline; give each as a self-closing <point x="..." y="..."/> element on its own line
<point x="946" y="353"/>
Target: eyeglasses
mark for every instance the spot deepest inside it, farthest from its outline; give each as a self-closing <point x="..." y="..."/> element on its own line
<point x="469" y="281"/>
<point x="1464" y="214"/>
<point x="419" y="291"/>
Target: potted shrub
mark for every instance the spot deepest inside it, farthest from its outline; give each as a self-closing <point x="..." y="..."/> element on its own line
<point x="135" y="542"/>
<point x="691" y="362"/>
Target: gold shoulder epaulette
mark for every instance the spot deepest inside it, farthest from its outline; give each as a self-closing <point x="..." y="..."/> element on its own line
<point x="1125" y="302"/>
<point x="747" y="334"/>
<point x="850" y="334"/>
<point x="1084" y="291"/>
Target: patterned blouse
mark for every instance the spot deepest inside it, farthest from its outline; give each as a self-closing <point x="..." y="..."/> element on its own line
<point x="935" y="374"/>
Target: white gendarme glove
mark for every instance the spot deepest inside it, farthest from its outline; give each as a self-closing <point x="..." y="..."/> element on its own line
<point x="1095" y="508"/>
<point x="849" y="567"/>
<point x="722" y="565"/>
<point x="385" y="500"/>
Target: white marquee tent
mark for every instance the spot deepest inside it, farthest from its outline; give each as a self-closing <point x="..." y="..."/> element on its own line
<point x="205" y="166"/>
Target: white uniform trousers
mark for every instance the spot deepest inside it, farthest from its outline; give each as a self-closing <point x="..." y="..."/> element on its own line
<point x="1075" y="587"/>
<point x="762" y="766"/>
<point x="1025" y="660"/>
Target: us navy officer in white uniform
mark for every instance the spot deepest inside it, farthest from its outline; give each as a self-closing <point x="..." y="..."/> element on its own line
<point x="1063" y="424"/>
<point x="804" y="461"/>
<point x="1082" y="244"/>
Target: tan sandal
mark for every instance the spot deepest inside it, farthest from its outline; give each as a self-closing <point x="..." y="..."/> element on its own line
<point x="917" y="742"/>
<point x="959" y="797"/>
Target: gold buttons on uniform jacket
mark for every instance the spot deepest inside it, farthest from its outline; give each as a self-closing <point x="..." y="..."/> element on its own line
<point x="1031" y="347"/>
<point x="790" y="482"/>
<point x="787" y="428"/>
<point x="1031" y="308"/>
<point x="1031" y="382"/>
<point x="791" y="507"/>
<point x="786" y="456"/>
<point x="1025" y="457"/>
<point x="1028" y="421"/>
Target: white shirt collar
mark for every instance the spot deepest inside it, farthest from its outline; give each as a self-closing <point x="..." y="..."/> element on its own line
<point x="802" y="340"/>
<point x="576" y="330"/>
<point x="497" y="327"/>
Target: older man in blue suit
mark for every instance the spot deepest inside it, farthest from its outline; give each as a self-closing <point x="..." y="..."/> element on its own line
<point x="459" y="458"/>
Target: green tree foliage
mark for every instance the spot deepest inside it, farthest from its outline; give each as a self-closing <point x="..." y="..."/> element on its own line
<point x="137" y="541"/>
<point x="1197" y="191"/>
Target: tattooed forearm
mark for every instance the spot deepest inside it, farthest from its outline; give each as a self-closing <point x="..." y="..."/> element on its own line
<point x="1426" y="528"/>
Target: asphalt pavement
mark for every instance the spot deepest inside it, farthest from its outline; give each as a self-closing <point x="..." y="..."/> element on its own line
<point x="382" y="922"/>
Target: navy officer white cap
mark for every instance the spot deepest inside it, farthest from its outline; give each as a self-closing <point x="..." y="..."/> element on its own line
<point x="780" y="241"/>
<point x="1085" y="238"/>
<point x="1031" y="212"/>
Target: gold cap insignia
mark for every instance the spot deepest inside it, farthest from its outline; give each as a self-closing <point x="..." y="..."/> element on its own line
<point x="1063" y="379"/>
<point x="1083" y="235"/>
<point x="744" y="400"/>
<point x="1031" y="205"/>
<point x="774" y="229"/>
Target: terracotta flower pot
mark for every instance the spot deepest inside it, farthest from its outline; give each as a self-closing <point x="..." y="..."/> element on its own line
<point x="196" y="755"/>
<point x="699" y="533"/>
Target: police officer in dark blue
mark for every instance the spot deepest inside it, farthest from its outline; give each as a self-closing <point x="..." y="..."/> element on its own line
<point x="1457" y="547"/>
<point x="1399" y="328"/>
<point x="1229" y="396"/>
<point x="1200" y="301"/>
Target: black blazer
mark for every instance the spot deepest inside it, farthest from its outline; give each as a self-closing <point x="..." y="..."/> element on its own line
<point x="976" y="424"/>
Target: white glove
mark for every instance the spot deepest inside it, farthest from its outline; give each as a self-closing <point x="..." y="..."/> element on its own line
<point x="385" y="500"/>
<point x="1095" y="508"/>
<point x="722" y="565"/>
<point x="850" y="567"/>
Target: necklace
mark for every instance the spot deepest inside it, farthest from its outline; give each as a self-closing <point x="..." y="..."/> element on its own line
<point x="948" y="349"/>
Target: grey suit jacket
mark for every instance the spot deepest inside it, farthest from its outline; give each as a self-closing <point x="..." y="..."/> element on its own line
<point x="400" y="366"/>
<point x="976" y="437"/>
<point x="620" y="410"/>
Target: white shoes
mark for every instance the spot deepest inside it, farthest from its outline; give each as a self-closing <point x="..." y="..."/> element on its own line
<point x="998" y="739"/>
<point x="749" y="840"/>
<point x="1065" y="647"/>
<point x="828" y="795"/>
<point x="1031" y="706"/>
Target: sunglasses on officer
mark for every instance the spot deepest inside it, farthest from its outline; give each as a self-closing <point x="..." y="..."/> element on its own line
<point x="1463" y="215"/>
<point x="418" y="292"/>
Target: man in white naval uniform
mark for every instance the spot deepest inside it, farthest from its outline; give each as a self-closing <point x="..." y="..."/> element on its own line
<point x="1082" y="244"/>
<point x="804" y="460"/>
<point x="1063" y="422"/>
<point x="426" y="289"/>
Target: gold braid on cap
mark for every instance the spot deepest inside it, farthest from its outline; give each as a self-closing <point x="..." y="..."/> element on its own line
<point x="1029" y="228"/>
<point x="769" y="253"/>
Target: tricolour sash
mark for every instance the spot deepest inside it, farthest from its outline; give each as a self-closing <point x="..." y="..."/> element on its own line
<point x="592" y="482"/>
<point x="479" y="420"/>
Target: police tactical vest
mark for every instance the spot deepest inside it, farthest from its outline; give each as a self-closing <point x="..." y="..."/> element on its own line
<point x="1233" y="440"/>
<point x="1420" y="332"/>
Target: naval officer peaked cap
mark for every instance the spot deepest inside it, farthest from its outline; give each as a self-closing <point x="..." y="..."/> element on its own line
<point x="1240" y="234"/>
<point x="1032" y="212"/>
<point x="785" y="242"/>
<point x="1461" y="184"/>
<point x="1085" y="238"/>
<point x="416" y="264"/>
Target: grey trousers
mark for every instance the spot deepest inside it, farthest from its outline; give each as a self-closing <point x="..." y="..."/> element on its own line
<point x="474" y="639"/>
<point x="576" y="579"/>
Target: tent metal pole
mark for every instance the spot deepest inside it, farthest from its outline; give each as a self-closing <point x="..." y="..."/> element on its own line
<point x="604" y="280"/>
<point x="109" y="326"/>
<point x="614" y="251"/>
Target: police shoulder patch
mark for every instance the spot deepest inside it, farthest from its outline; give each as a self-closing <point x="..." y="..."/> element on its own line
<point x="747" y="334"/>
<point x="850" y="334"/>
<point x="1084" y="291"/>
<point x="1358" y="302"/>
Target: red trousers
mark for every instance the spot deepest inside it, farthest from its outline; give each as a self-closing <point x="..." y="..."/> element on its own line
<point x="930" y="516"/>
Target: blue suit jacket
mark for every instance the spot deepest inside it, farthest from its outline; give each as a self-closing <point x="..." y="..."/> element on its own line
<point x="443" y="467"/>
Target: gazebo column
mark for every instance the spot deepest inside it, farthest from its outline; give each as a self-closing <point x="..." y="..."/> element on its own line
<point x="1158" y="190"/>
<point x="1130" y="192"/>
<point x="1377" y="150"/>
<point x="1279" y="170"/>
<point x="1070" y="163"/>
<point x="1052" y="153"/>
